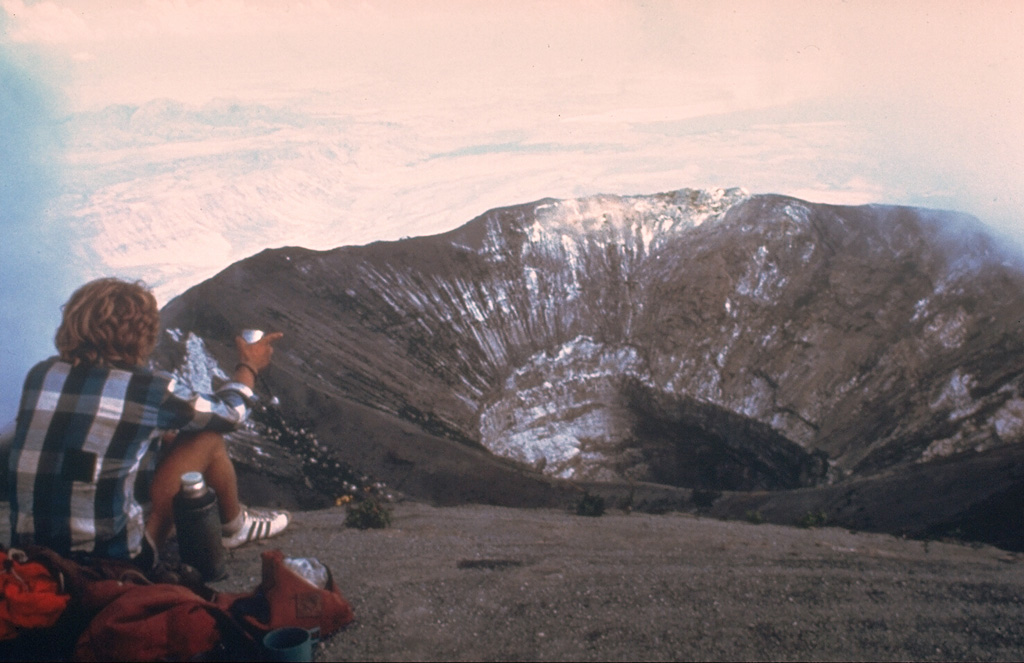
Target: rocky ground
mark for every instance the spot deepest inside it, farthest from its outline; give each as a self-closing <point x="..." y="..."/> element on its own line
<point x="491" y="583"/>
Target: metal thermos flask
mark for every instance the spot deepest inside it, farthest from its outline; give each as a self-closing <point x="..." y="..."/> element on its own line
<point x="197" y="519"/>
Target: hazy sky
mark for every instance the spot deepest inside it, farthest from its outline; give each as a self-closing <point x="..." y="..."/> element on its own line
<point x="320" y="123"/>
<point x="944" y="79"/>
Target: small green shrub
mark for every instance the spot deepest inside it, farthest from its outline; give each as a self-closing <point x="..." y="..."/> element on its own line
<point x="368" y="514"/>
<point x="812" y="519"/>
<point x="590" y="505"/>
<point x="755" y="517"/>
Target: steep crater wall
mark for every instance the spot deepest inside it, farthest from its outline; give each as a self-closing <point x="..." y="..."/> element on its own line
<point x="703" y="339"/>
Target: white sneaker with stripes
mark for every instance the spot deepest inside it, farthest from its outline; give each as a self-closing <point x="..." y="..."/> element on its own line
<point x="256" y="525"/>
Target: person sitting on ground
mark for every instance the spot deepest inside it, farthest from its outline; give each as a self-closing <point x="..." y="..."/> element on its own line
<point x="88" y="417"/>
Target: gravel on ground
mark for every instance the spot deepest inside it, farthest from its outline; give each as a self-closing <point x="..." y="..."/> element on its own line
<point x="488" y="583"/>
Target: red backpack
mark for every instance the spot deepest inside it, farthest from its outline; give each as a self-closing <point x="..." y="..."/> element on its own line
<point x="157" y="622"/>
<point x="31" y="597"/>
<point x="284" y="598"/>
<point x="171" y="622"/>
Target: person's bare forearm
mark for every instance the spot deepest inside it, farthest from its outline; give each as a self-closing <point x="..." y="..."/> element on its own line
<point x="245" y="375"/>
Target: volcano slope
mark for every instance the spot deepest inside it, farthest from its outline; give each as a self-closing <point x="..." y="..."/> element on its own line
<point x="755" y="355"/>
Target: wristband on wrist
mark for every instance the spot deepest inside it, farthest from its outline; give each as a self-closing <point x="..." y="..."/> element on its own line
<point x="249" y="368"/>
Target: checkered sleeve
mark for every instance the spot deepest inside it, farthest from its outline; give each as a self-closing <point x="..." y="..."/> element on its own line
<point x="185" y="410"/>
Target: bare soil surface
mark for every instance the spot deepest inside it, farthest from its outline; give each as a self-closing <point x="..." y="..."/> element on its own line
<point x="490" y="583"/>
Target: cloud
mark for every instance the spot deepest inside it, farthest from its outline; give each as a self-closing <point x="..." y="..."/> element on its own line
<point x="46" y="23"/>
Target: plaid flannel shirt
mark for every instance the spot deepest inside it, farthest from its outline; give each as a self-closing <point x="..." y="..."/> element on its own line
<point x="81" y="435"/>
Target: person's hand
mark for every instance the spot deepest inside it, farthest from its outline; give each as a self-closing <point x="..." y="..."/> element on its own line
<point x="256" y="355"/>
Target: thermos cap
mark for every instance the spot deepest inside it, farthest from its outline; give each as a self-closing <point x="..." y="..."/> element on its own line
<point x="192" y="482"/>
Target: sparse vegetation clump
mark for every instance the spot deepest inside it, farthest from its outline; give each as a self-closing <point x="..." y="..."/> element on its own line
<point x="368" y="514"/>
<point x="812" y="519"/>
<point x="754" y="517"/>
<point x="590" y="505"/>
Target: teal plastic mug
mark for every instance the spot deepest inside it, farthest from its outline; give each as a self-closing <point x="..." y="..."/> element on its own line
<point x="290" y="644"/>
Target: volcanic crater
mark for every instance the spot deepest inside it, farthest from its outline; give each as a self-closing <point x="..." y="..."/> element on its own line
<point x="779" y="355"/>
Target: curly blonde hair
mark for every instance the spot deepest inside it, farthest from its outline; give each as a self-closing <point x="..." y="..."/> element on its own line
<point x="109" y="321"/>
